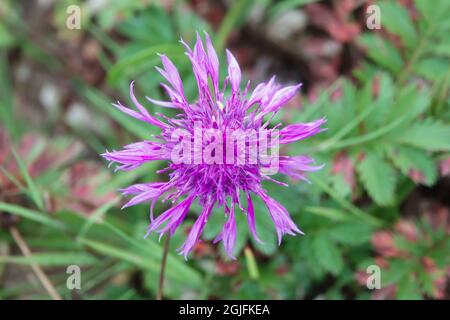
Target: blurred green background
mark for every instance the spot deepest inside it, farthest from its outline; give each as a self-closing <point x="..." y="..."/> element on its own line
<point x="382" y="198"/>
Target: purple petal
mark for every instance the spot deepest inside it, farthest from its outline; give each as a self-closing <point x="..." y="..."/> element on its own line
<point x="144" y="192"/>
<point x="145" y="115"/>
<point x="136" y="154"/>
<point x="213" y="65"/>
<point x="228" y="233"/>
<point x="195" y="232"/>
<point x="300" y="131"/>
<point x="251" y="219"/>
<point x="234" y="72"/>
<point x="172" y="75"/>
<point x="172" y="215"/>
<point x="279" y="99"/>
<point x="280" y="216"/>
<point x="296" y="166"/>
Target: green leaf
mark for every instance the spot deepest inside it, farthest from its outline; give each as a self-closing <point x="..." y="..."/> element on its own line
<point x="52" y="259"/>
<point x="431" y="135"/>
<point x="235" y="16"/>
<point x="287" y="5"/>
<point x="330" y="213"/>
<point x="101" y="102"/>
<point x="410" y="102"/>
<point x="384" y="101"/>
<point x="432" y="68"/>
<point x="395" y="18"/>
<point x="351" y="233"/>
<point x="33" y="189"/>
<point x="145" y="262"/>
<point x="433" y="11"/>
<point x="378" y="177"/>
<point x="134" y="62"/>
<point x="382" y="52"/>
<point x="36" y="216"/>
<point x="328" y="254"/>
<point x="441" y="49"/>
<point x="408" y="289"/>
<point x="407" y="159"/>
<point x="6" y="38"/>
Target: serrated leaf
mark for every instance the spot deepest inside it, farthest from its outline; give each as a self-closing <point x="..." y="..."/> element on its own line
<point x="328" y="254"/>
<point x="431" y="135"/>
<point x="397" y="20"/>
<point x="378" y="177"/>
<point x="441" y="49"/>
<point x="432" y="68"/>
<point x="351" y="233"/>
<point x="340" y="185"/>
<point x="407" y="159"/>
<point x="382" y="52"/>
<point x="384" y="101"/>
<point x="408" y="289"/>
<point x="433" y="11"/>
<point x="409" y="102"/>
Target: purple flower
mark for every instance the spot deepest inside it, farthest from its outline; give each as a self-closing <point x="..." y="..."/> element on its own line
<point x="218" y="183"/>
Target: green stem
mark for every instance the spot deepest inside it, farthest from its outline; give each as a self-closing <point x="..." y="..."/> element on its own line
<point x="344" y="203"/>
<point x="420" y="48"/>
<point x="367" y="137"/>
<point x="159" y="295"/>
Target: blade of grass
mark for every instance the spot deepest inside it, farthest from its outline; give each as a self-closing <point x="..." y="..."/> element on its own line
<point x="34" y="191"/>
<point x="103" y="103"/>
<point x="145" y="262"/>
<point x="230" y="22"/>
<point x="52" y="259"/>
<point x="13" y="179"/>
<point x="35" y="216"/>
<point x="6" y="100"/>
<point x="46" y="283"/>
<point x="96" y="217"/>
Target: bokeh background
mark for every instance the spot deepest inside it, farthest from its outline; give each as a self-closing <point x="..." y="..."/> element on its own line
<point x="382" y="198"/>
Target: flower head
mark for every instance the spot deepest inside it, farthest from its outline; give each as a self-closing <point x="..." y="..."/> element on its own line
<point x="216" y="149"/>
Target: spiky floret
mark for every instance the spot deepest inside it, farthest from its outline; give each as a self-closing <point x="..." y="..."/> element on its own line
<point x="213" y="184"/>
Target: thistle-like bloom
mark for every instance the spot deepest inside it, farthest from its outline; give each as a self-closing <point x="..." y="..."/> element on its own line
<point x="221" y="185"/>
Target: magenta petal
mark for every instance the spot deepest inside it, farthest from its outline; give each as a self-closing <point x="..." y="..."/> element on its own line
<point x="144" y="192"/>
<point x="136" y="154"/>
<point x="228" y="233"/>
<point x="300" y="131"/>
<point x="172" y="75"/>
<point x="251" y="219"/>
<point x="213" y="65"/>
<point x="280" y="98"/>
<point x="195" y="232"/>
<point x="146" y="116"/>
<point x="280" y="216"/>
<point x="234" y="72"/>
<point x="296" y="166"/>
<point x="179" y="209"/>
